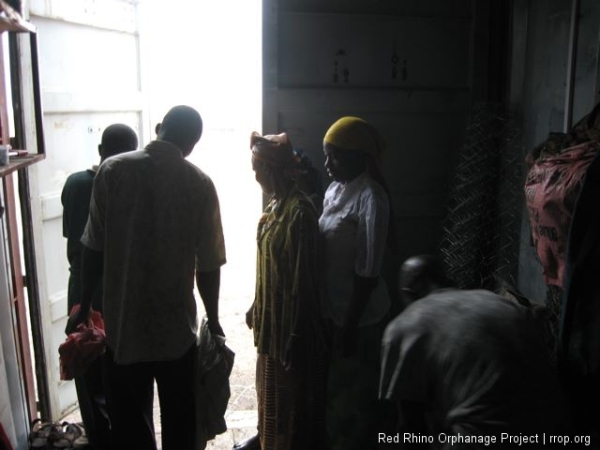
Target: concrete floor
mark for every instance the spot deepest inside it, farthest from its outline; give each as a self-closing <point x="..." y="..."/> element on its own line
<point x="241" y="415"/>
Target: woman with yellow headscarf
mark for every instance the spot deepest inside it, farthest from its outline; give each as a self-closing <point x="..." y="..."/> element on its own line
<point x="355" y="226"/>
<point x="286" y="314"/>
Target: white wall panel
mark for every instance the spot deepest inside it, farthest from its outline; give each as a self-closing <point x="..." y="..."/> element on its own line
<point x="90" y="78"/>
<point x="79" y="58"/>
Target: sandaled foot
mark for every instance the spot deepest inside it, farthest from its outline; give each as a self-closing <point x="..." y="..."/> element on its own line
<point x="252" y="443"/>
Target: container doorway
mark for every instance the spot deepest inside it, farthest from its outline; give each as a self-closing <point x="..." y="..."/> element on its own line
<point x="130" y="61"/>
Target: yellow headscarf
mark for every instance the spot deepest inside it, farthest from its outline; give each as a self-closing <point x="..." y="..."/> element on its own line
<point x="354" y="133"/>
<point x="274" y="149"/>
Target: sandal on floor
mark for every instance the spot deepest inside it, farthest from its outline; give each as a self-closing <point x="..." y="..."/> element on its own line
<point x="73" y="431"/>
<point x="252" y="443"/>
<point x="81" y="442"/>
<point x="40" y="431"/>
<point x="58" y="438"/>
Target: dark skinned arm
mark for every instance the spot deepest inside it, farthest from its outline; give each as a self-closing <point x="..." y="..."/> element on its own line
<point x="363" y="288"/>
<point x="209" y="284"/>
<point x="92" y="268"/>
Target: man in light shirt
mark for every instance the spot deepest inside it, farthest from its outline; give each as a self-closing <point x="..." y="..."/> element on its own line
<point x="154" y="224"/>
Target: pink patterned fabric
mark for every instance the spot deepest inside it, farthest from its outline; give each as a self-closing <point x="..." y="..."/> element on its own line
<point x="551" y="190"/>
<point x="82" y="347"/>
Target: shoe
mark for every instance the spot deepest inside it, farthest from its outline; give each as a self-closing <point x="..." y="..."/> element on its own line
<point x="81" y="442"/>
<point x="252" y="443"/>
<point x="40" y="431"/>
<point x="56" y="437"/>
<point x="65" y="435"/>
<point x="73" y="431"/>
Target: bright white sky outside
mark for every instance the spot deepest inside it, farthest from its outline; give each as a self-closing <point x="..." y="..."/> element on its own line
<point x="207" y="54"/>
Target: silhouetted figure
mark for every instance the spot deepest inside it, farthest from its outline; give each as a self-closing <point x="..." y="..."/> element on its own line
<point x="286" y="313"/>
<point x="154" y="223"/>
<point x="579" y="355"/>
<point x="356" y="230"/>
<point x="75" y="198"/>
<point x="467" y="364"/>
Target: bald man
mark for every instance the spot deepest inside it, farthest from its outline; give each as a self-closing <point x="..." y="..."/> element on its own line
<point x="466" y="365"/>
<point x="154" y="224"/>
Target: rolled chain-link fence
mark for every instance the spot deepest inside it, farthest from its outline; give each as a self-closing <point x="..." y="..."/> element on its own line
<point x="480" y="242"/>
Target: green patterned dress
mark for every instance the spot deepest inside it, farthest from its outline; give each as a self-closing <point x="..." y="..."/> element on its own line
<point x="291" y="403"/>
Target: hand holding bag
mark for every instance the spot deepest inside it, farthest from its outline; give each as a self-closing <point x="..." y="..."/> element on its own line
<point x="214" y="362"/>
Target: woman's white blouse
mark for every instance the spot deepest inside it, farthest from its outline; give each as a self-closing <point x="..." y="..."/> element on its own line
<point x="354" y="227"/>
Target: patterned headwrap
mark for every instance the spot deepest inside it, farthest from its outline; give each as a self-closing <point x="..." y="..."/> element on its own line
<point x="353" y="133"/>
<point x="274" y="149"/>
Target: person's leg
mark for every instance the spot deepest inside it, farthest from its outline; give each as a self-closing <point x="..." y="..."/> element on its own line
<point x="352" y="393"/>
<point x="175" y="380"/>
<point x="368" y="378"/>
<point x="94" y="380"/>
<point x="85" y="400"/>
<point x="93" y="414"/>
<point x="260" y="397"/>
<point x="253" y="442"/>
<point x="129" y="396"/>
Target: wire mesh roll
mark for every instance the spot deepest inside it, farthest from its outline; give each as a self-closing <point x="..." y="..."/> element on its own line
<point x="481" y="229"/>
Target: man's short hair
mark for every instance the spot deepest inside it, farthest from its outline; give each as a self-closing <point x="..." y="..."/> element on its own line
<point x="181" y="126"/>
<point x="117" y="138"/>
<point x="420" y="274"/>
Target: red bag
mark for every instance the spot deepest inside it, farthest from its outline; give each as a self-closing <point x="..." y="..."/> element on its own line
<point x="551" y="190"/>
<point x="82" y="346"/>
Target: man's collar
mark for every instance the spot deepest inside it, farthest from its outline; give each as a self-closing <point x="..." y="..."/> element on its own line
<point x="163" y="146"/>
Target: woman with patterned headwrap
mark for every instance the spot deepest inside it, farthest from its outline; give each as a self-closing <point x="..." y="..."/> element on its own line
<point x="286" y="314"/>
<point x="356" y="226"/>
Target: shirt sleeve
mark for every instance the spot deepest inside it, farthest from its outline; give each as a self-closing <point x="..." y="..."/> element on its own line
<point x="93" y="235"/>
<point x="371" y="237"/>
<point x="403" y="363"/>
<point x="210" y="248"/>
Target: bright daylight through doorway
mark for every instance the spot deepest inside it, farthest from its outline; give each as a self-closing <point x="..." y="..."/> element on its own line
<point x="207" y="54"/>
